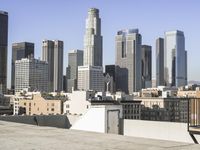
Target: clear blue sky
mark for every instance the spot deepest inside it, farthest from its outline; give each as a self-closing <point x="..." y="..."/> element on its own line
<point x="35" y="20"/>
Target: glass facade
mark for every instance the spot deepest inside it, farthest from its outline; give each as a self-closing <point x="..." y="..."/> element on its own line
<point x="3" y="50"/>
<point x="175" y="61"/>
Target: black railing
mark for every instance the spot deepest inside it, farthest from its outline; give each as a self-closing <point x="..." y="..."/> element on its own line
<point x="194" y="115"/>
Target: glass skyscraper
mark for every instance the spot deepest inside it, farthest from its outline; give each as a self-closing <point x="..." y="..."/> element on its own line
<point x="3" y="50"/>
<point x="175" y="59"/>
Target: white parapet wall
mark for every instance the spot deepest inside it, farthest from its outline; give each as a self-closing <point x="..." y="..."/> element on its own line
<point x="158" y="130"/>
<point x="97" y="119"/>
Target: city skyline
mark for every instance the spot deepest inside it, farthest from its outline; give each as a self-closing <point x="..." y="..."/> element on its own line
<point x="19" y="24"/>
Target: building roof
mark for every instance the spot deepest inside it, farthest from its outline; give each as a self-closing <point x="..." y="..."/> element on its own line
<point x="20" y="136"/>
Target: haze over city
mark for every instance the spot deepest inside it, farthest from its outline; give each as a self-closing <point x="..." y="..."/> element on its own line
<point x="37" y="20"/>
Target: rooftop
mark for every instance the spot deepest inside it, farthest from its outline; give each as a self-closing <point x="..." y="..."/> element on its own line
<point x="20" y="136"/>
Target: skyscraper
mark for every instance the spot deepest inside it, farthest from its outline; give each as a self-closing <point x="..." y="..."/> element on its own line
<point x="31" y="74"/>
<point x="58" y="65"/>
<point x="160" y="62"/>
<point x="19" y="51"/>
<point x="75" y="59"/>
<point x="146" y="55"/>
<point x="3" y="50"/>
<point x="175" y="59"/>
<point x="93" y="54"/>
<point x="128" y="61"/>
<point x="52" y="52"/>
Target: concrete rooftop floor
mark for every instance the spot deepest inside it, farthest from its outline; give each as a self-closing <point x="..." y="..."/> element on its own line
<point x="22" y="136"/>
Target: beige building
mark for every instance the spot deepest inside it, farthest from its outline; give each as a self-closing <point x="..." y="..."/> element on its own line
<point x="190" y="94"/>
<point x="37" y="105"/>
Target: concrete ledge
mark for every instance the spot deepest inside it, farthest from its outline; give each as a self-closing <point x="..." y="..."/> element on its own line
<point x="23" y="136"/>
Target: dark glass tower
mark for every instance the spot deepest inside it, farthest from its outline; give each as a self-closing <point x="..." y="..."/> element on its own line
<point x="3" y="50"/>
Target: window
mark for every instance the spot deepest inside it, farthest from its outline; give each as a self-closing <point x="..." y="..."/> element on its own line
<point x="52" y="109"/>
<point x="123" y="50"/>
<point x="24" y="104"/>
<point x="52" y="104"/>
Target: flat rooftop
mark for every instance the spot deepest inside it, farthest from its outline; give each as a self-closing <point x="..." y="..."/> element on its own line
<point x="23" y="136"/>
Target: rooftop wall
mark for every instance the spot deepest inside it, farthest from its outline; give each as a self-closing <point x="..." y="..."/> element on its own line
<point x="158" y="130"/>
<point x="59" y="121"/>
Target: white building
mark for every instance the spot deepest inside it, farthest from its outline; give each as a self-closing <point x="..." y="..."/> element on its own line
<point x="175" y="59"/>
<point x="90" y="78"/>
<point x="31" y="74"/>
<point x="77" y="102"/>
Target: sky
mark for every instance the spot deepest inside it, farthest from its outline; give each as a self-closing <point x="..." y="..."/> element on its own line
<point x="36" y="20"/>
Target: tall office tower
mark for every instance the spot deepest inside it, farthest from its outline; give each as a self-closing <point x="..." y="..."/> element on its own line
<point x="58" y="65"/>
<point x="175" y="59"/>
<point x="160" y="62"/>
<point x="52" y="52"/>
<point x="3" y="50"/>
<point x="146" y="55"/>
<point x="90" y="78"/>
<point x="75" y="59"/>
<point x="93" y="53"/>
<point x="31" y="74"/>
<point x="128" y="61"/>
<point x="19" y="51"/>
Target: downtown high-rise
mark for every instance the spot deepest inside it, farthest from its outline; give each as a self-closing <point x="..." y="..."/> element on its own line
<point x="75" y="59"/>
<point x="146" y="56"/>
<point x="31" y="75"/>
<point x="128" y="61"/>
<point x="160" y="62"/>
<point x="175" y="59"/>
<point x="3" y="50"/>
<point x="52" y="52"/>
<point x="90" y="76"/>
<point x="93" y="53"/>
<point x="19" y="51"/>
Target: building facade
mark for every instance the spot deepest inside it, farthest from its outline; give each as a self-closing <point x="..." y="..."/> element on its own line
<point x="37" y="105"/>
<point x="160" y="62"/>
<point x="131" y="109"/>
<point x="90" y="78"/>
<point x="31" y="74"/>
<point x="78" y="102"/>
<point x="164" y="109"/>
<point x="3" y="50"/>
<point x="128" y="61"/>
<point x="175" y="59"/>
<point x="52" y="52"/>
<point x="93" y="54"/>
<point x="19" y="51"/>
<point x="146" y="55"/>
<point x="75" y="59"/>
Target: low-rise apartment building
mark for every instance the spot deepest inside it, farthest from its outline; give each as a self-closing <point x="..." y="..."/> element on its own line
<point x="37" y="104"/>
<point x="164" y="109"/>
